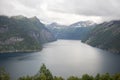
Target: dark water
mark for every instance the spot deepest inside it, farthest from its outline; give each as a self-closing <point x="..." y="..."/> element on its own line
<point x="63" y="58"/>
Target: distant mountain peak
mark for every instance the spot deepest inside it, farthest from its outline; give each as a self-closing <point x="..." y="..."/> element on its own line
<point x="55" y="25"/>
<point x="83" y="24"/>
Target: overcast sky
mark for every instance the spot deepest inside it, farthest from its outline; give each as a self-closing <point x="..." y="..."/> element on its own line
<point x="63" y="11"/>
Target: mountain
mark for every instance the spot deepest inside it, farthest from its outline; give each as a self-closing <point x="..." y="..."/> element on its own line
<point x="22" y="34"/>
<point x="57" y="29"/>
<point x="106" y="36"/>
<point x="77" y="30"/>
<point x="83" y="24"/>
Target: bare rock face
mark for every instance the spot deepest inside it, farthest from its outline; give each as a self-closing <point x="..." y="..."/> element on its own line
<point x="3" y="29"/>
<point x="43" y="36"/>
<point x="11" y="40"/>
<point x="46" y="36"/>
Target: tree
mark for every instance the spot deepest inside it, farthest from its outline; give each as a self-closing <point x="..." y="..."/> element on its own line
<point x="116" y="76"/>
<point x="58" y="78"/>
<point x="97" y="77"/>
<point x="26" y="78"/>
<point x="87" y="77"/>
<point x="73" y="78"/>
<point x="4" y="75"/>
<point x="44" y="74"/>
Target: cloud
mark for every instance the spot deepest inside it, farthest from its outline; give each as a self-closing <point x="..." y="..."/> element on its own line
<point x="89" y="7"/>
<point x="63" y="11"/>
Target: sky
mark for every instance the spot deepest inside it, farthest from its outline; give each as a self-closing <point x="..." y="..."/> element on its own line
<point x="63" y="11"/>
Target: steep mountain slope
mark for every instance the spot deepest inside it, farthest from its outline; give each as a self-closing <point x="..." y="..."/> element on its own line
<point x="18" y="34"/>
<point x="106" y="36"/>
<point x="77" y="30"/>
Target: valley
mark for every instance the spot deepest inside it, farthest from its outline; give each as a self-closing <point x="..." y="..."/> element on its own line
<point x="66" y="50"/>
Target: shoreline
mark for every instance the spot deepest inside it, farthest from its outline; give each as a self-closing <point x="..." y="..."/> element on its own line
<point x="19" y="51"/>
<point x="24" y="51"/>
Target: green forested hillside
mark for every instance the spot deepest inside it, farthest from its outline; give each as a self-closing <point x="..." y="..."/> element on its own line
<point x="106" y="36"/>
<point x="18" y="34"/>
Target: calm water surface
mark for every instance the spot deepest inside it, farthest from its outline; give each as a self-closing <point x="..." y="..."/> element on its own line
<point x="64" y="58"/>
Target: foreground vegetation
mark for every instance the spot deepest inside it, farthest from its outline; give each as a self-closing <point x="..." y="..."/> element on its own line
<point x="45" y="74"/>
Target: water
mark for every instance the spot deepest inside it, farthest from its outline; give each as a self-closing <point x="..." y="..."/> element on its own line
<point x="64" y="58"/>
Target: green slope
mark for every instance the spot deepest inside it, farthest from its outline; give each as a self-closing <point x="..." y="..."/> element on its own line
<point x="106" y="36"/>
